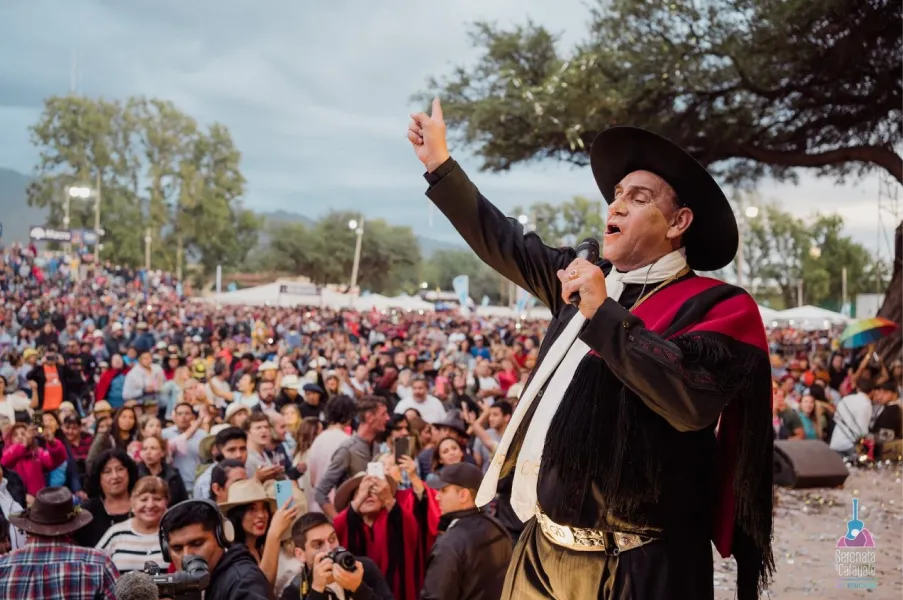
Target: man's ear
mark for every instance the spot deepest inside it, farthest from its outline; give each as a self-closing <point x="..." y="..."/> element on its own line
<point x="682" y="220"/>
<point x="299" y="554"/>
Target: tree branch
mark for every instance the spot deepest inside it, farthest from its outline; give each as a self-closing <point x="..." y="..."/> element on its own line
<point x="883" y="157"/>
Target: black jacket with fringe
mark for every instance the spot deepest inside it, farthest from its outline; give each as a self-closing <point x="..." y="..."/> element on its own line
<point x="665" y="429"/>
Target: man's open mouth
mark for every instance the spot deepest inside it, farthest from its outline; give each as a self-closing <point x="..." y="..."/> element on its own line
<point x="611" y="229"/>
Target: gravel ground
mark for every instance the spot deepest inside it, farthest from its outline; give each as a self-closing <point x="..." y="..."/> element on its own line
<point x="807" y="527"/>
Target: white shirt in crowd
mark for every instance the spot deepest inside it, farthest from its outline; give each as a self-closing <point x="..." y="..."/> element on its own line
<point x="852" y="418"/>
<point x="430" y="409"/>
<point x="128" y="549"/>
<point x="9" y="507"/>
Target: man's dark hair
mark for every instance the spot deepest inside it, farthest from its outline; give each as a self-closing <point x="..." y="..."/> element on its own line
<point x="228" y="434"/>
<point x="254" y="418"/>
<point x="369" y="404"/>
<point x="340" y="409"/>
<point x="220" y="473"/>
<point x="504" y="406"/>
<point x="865" y="384"/>
<point x="176" y="407"/>
<point x="186" y="514"/>
<point x="305" y="523"/>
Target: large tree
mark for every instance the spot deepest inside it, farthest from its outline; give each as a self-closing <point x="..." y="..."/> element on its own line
<point x="749" y="87"/>
<point x="389" y="262"/>
<point x="444" y="265"/>
<point x="891" y="347"/>
<point x="157" y="170"/>
<point x="782" y="251"/>
<point x="566" y="223"/>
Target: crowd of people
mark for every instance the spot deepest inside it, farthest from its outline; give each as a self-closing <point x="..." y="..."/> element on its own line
<point x="120" y="400"/>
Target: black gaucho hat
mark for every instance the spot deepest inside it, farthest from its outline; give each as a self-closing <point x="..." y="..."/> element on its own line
<point x="711" y="241"/>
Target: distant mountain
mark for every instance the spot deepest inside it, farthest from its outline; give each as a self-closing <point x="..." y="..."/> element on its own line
<point x="15" y="214"/>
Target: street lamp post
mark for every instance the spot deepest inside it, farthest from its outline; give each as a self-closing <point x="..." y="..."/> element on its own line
<point x="358" y="228"/>
<point x="83" y="193"/>
<point x="147" y="250"/>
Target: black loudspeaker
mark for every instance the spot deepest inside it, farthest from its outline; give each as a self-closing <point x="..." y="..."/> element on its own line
<point x="804" y="464"/>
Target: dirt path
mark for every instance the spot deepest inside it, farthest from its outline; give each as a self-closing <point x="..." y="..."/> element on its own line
<point x="808" y="525"/>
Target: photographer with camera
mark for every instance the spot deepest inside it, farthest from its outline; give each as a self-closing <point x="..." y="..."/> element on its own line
<point x="197" y="528"/>
<point x="329" y="571"/>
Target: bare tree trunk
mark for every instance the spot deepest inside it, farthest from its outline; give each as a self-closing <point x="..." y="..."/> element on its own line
<point x="890" y="347"/>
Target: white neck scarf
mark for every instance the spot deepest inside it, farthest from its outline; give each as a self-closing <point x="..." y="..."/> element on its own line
<point x="560" y="364"/>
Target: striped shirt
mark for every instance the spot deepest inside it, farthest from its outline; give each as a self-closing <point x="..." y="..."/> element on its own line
<point x="128" y="549"/>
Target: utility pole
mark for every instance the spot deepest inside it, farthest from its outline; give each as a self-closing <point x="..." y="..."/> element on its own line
<point x="66" y="217"/>
<point x="359" y="231"/>
<point x="147" y="249"/>
<point x="97" y="230"/>
<point x="843" y="289"/>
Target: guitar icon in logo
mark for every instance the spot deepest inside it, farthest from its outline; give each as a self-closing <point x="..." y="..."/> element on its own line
<point x="857" y="535"/>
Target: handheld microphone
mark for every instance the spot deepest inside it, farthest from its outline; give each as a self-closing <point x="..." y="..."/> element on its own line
<point x="136" y="585"/>
<point x="589" y="251"/>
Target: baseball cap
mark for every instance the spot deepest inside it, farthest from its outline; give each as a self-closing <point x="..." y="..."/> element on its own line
<point x="462" y="474"/>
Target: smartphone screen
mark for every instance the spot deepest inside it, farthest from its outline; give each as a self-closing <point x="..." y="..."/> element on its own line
<point x="376" y="469"/>
<point x="402" y="447"/>
<point x="284" y="492"/>
<point x="37" y="419"/>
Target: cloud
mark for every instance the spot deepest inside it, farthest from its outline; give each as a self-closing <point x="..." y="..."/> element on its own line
<point x="316" y="96"/>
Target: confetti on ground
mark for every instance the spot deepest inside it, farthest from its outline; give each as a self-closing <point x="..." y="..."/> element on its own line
<point x="808" y="524"/>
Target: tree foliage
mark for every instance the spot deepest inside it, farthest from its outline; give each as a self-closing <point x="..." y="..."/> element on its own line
<point x="158" y="170"/>
<point x="324" y="252"/>
<point x="749" y="87"/>
<point x="781" y="250"/>
<point x="444" y="265"/>
<point x="567" y="223"/>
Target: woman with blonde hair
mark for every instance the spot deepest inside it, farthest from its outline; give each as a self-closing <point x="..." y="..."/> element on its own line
<point x="136" y="540"/>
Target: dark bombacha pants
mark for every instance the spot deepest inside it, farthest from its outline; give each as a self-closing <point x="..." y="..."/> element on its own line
<point x="661" y="570"/>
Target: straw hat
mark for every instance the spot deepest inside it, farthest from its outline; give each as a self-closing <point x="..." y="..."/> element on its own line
<point x="246" y="491"/>
<point x="234" y="408"/>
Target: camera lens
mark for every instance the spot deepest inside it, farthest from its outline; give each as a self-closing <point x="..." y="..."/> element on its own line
<point x="344" y="559"/>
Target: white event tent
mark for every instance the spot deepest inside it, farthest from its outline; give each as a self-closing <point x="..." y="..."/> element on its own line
<point x="271" y="294"/>
<point x="811" y="317"/>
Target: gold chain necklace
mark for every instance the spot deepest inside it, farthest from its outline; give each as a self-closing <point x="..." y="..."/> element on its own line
<point x="644" y="297"/>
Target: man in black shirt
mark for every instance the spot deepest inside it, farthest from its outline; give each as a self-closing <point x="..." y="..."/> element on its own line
<point x="196" y="527"/>
<point x="887" y="420"/>
<point x="644" y="433"/>
<point x="320" y="579"/>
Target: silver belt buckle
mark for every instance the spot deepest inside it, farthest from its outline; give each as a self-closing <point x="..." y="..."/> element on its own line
<point x="588" y="540"/>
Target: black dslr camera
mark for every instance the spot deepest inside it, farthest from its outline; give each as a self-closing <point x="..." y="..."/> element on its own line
<point x="186" y="584"/>
<point x="343" y="558"/>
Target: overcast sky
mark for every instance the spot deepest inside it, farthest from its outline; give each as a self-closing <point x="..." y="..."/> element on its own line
<point x="316" y="94"/>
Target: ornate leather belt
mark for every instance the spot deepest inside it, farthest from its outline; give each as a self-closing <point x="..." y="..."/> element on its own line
<point x="589" y="540"/>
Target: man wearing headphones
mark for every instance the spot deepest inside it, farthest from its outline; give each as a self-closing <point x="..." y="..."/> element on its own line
<point x="196" y="527"/>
